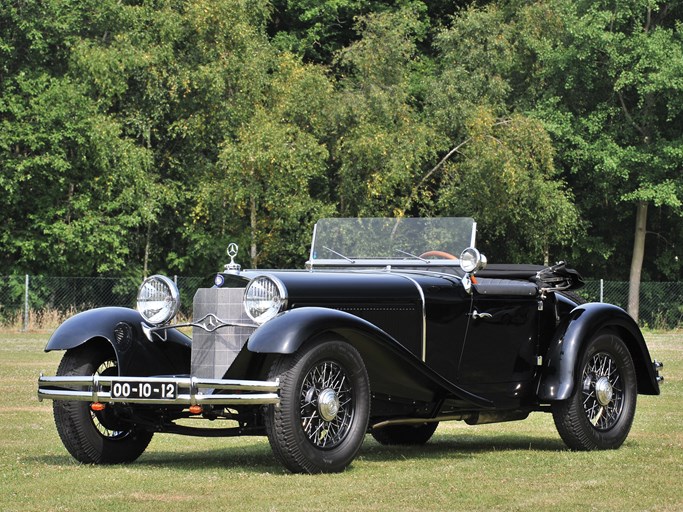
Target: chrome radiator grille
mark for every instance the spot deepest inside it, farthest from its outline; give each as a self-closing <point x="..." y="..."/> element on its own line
<point x="214" y="352"/>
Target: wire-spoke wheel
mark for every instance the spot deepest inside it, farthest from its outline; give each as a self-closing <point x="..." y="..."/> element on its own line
<point x="326" y="405"/>
<point x="600" y="411"/>
<point x="602" y="392"/>
<point x="321" y="420"/>
<point x="95" y="437"/>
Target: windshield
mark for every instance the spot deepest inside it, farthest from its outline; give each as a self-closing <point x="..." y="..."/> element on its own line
<point x="378" y="241"/>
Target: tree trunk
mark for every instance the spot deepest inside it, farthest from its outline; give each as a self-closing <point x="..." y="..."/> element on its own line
<point x="253" y="252"/>
<point x="147" y="249"/>
<point x="637" y="261"/>
<point x="546" y="254"/>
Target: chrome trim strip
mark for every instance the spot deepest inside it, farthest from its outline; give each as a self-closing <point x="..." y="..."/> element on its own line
<point x="419" y="421"/>
<point x="309" y="263"/>
<point x="424" y="314"/>
<point x="357" y="262"/>
<point x="208" y="322"/>
<point x="248" y="392"/>
<point x="211" y="322"/>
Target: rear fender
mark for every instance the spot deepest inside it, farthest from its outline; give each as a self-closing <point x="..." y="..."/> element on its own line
<point x="170" y="353"/>
<point x="392" y="368"/>
<point x="584" y="321"/>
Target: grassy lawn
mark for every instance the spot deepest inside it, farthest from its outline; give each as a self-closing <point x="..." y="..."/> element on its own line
<point x="509" y="466"/>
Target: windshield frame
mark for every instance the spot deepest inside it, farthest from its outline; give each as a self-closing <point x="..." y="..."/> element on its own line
<point x="330" y="249"/>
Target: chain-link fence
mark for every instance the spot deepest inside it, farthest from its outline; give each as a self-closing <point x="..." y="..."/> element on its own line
<point x="661" y="303"/>
<point x="43" y="302"/>
<point x="35" y="302"/>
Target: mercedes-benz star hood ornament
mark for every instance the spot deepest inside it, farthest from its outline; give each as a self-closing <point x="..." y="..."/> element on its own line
<point x="232" y="251"/>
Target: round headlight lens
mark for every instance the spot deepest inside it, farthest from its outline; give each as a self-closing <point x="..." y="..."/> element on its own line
<point x="158" y="300"/>
<point x="264" y="298"/>
<point x="472" y="260"/>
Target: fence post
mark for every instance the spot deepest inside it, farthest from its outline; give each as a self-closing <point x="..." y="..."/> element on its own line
<point x="602" y="290"/>
<point x="26" y="303"/>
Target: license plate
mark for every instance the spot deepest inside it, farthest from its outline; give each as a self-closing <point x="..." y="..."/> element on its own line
<point x="145" y="390"/>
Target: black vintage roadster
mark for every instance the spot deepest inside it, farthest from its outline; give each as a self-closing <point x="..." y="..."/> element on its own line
<point x="394" y="326"/>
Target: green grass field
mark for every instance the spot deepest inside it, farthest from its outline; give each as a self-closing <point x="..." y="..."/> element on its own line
<point x="509" y="466"/>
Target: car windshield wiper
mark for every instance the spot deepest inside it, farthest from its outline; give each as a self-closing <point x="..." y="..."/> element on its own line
<point x="412" y="255"/>
<point x="339" y="254"/>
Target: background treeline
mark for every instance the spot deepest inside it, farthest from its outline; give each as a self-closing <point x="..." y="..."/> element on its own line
<point x="143" y="136"/>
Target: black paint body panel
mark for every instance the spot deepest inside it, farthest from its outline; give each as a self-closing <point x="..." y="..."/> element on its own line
<point x="122" y="329"/>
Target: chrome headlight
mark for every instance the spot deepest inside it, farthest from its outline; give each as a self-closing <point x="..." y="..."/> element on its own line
<point x="472" y="260"/>
<point x="264" y="298"/>
<point x="158" y="300"/>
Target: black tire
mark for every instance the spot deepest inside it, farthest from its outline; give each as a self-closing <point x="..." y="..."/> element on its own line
<point x="321" y="420"/>
<point x="599" y="414"/>
<point x="406" y="435"/>
<point x="95" y="437"/>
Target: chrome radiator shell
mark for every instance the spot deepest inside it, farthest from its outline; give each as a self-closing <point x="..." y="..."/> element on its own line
<point x="215" y="349"/>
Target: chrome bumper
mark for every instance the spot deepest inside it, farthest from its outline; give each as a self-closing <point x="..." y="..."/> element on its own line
<point x="191" y="390"/>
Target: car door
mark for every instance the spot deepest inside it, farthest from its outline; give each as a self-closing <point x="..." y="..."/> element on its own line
<point x="498" y="358"/>
<point x="447" y="309"/>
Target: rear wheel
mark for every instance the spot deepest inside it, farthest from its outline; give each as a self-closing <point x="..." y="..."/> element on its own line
<point x="321" y="420"/>
<point x="95" y="437"/>
<point x="599" y="414"/>
<point x="405" y="434"/>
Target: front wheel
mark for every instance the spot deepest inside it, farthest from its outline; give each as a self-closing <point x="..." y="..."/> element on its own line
<point x="599" y="414"/>
<point x="95" y="437"/>
<point x="321" y="420"/>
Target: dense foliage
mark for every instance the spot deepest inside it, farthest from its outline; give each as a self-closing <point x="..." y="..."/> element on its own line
<point x="143" y="136"/>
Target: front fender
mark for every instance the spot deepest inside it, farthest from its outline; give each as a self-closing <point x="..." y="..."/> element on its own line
<point x="122" y="329"/>
<point x="585" y="321"/>
<point x="392" y="368"/>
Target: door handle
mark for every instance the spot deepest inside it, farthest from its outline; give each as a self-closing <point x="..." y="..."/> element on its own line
<point x="476" y="315"/>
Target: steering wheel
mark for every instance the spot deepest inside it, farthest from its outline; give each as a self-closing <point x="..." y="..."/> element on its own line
<point x="438" y="254"/>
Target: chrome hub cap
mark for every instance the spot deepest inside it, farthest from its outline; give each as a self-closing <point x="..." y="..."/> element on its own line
<point x="328" y="404"/>
<point x="603" y="391"/>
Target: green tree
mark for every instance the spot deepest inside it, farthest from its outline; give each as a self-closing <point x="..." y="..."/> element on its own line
<point x="612" y="78"/>
<point x="269" y="172"/>
<point x="605" y="80"/>
<point x="143" y="136"/>
<point x="505" y="178"/>
<point x="384" y="141"/>
<point x="258" y="120"/>
<point x="318" y="29"/>
<point x="73" y="183"/>
<point x="500" y="165"/>
<point x="476" y="60"/>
